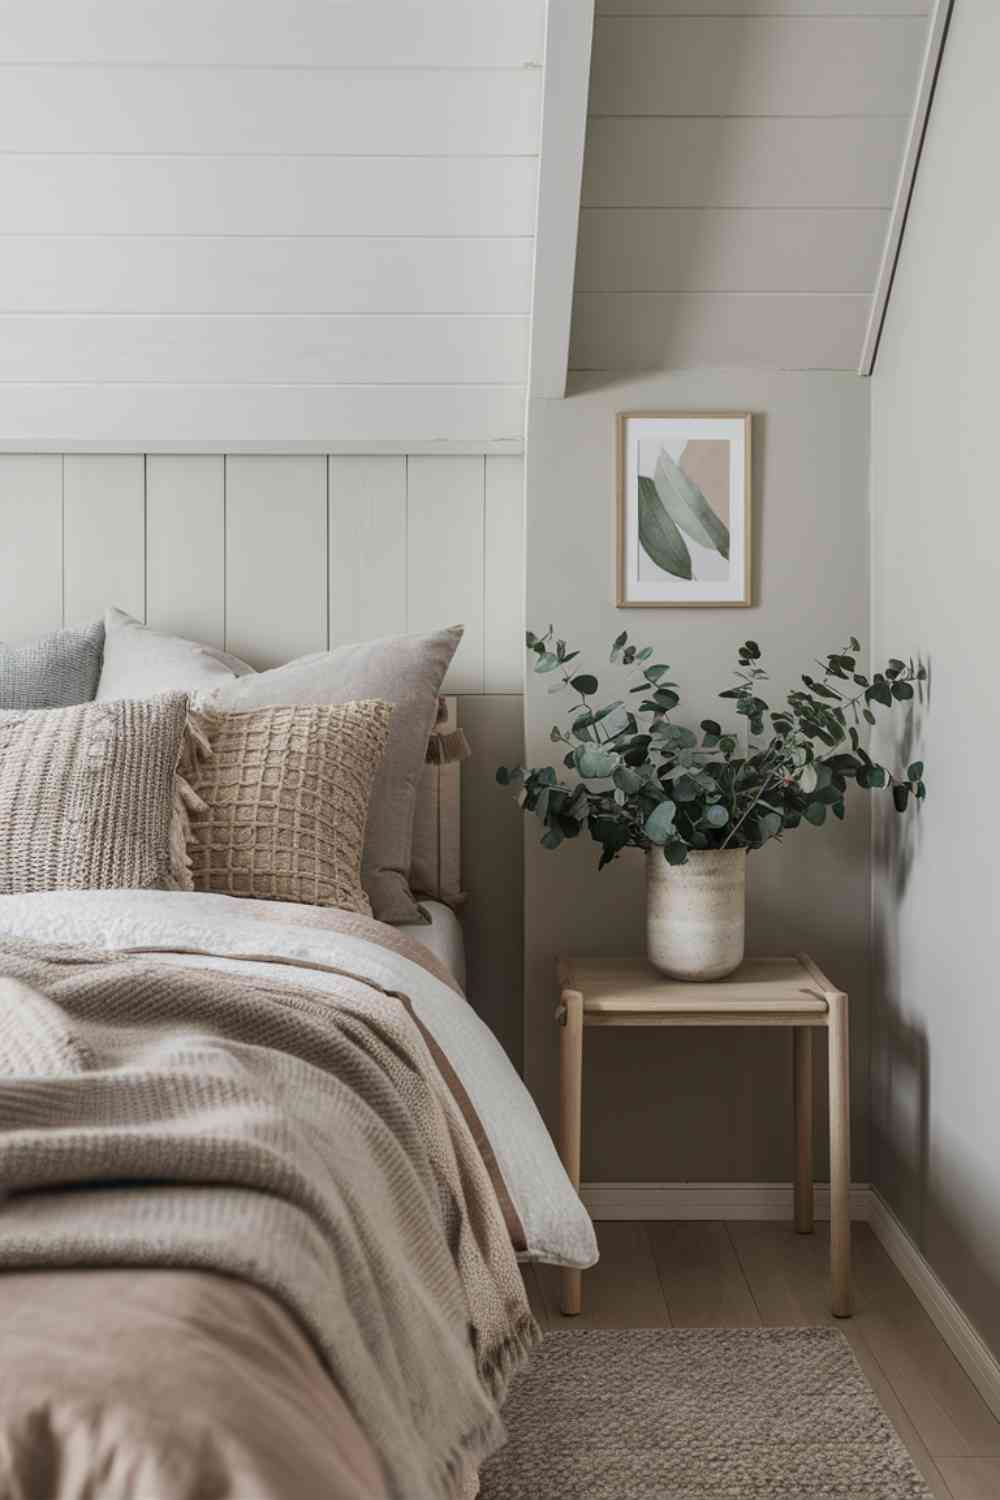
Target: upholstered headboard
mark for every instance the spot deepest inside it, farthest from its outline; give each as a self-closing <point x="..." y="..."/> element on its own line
<point x="436" y="865"/>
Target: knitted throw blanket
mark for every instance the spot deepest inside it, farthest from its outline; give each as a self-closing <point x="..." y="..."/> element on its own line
<point x="307" y="1144"/>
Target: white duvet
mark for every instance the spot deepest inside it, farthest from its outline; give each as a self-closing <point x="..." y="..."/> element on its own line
<point x="221" y="932"/>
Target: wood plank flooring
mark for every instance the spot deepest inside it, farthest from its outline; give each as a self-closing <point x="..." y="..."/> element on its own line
<point x="742" y="1274"/>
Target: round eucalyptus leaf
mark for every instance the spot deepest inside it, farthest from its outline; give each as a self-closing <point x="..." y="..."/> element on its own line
<point x="592" y="762"/>
<point x="660" y="824"/>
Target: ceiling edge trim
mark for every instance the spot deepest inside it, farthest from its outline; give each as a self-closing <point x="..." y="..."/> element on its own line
<point x="936" y="35"/>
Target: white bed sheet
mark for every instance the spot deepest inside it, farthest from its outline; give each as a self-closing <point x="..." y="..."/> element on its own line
<point x="444" y="937"/>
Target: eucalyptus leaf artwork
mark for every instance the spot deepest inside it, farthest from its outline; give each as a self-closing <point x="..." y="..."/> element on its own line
<point x="633" y="777"/>
<point x="683" y="509"/>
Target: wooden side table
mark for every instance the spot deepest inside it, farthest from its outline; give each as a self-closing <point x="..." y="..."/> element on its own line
<point x="762" y="992"/>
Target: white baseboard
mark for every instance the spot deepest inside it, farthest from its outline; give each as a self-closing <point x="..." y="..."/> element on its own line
<point x="957" y="1330"/>
<point x="708" y="1200"/>
<point x="773" y="1200"/>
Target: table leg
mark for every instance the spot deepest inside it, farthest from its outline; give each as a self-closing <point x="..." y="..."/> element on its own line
<point x="840" y="1156"/>
<point x="570" y="1120"/>
<point x="803" y="1080"/>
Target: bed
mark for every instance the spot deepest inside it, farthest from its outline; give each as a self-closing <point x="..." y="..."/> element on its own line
<point x="266" y="1178"/>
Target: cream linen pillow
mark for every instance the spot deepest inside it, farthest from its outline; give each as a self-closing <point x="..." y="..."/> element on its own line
<point x="90" y="798"/>
<point x="405" y="671"/>
<point x="282" y="801"/>
<point x="141" y="663"/>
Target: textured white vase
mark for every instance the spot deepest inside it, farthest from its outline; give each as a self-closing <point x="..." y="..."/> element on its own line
<point x="696" y="913"/>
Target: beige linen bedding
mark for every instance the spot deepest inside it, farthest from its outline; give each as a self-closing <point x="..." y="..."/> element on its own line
<point x="197" y="1120"/>
<point x="167" y="1385"/>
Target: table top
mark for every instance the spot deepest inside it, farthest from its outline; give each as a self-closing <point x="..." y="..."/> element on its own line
<point x="761" y="986"/>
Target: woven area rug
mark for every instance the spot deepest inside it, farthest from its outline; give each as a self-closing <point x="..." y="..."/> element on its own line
<point x="688" y="1414"/>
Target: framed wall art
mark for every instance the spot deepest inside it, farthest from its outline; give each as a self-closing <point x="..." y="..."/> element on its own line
<point x="684" y="533"/>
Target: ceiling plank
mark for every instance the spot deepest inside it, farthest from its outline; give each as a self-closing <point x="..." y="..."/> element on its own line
<point x="644" y="332"/>
<point x="310" y="34"/>
<point x="754" y="65"/>
<point x="568" y="34"/>
<point x="936" y="34"/>
<point x="701" y="8"/>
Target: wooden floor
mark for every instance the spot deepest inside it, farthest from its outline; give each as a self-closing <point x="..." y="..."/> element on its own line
<point x="712" y="1274"/>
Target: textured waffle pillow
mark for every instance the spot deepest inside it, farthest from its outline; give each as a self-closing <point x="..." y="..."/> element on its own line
<point x="53" y="671"/>
<point x="141" y="663"/>
<point x="405" y="671"/>
<point x="90" y="798"/>
<point x="284" y="796"/>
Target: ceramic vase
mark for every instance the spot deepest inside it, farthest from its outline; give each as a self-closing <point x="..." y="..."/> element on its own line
<point x="696" y="913"/>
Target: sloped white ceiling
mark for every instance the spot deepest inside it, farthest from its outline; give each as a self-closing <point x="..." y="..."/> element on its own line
<point x="233" y="223"/>
<point x="740" y="166"/>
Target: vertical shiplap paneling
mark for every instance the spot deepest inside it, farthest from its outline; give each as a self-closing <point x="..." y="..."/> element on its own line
<point x="276" y="557"/>
<point x="104" y="535"/>
<point x="503" y="593"/>
<point x="30" y="544"/>
<point x="185" y="545"/>
<point x="445" y="504"/>
<point x="367" y="547"/>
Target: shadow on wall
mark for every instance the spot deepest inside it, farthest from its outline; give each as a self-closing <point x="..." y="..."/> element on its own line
<point x="901" y="1063"/>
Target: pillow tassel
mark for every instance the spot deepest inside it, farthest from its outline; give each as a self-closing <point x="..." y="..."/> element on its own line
<point x="194" y="748"/>
<point x="444" y="749"/>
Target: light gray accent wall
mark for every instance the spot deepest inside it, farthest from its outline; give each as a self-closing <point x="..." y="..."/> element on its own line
<point x="936" y="535"/>
<point x="697" y="1105"/>
<point x="740" y="163"/>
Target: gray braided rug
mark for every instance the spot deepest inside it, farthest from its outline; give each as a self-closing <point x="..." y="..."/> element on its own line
<point x="691" y="1414"/>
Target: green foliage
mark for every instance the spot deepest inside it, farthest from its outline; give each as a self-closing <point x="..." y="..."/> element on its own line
<point x="639" y="780"/>
<point x="659" y="534"/>
<point x="687" y="507"/>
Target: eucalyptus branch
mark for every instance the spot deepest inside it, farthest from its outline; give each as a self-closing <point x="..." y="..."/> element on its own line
<point x="659" y="783"/>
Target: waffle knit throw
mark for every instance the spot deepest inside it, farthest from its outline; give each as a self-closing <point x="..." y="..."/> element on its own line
<point x="304" y="1142"/>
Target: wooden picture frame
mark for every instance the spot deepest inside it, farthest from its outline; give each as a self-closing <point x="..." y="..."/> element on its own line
<point x="681" y="543"/>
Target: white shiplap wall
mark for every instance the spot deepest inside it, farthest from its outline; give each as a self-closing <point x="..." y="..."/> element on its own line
<point x="740" y="165"/>
<point x="272" y="556"/>
<point x="275" y="556"/>
<point x="232" y="225"/>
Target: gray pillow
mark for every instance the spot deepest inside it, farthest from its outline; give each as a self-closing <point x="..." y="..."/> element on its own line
<point x="54" y="671"/>
<point x="405" y="671"/>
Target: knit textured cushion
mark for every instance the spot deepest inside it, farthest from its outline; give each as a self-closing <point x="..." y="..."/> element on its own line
<point x="285" y="795"/>
<point x="90" y="798"/>
<point x="53" y="671"/>
<point x="406" y="671"/>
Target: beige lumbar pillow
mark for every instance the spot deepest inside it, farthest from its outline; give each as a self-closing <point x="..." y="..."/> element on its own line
<point x="280" y="800"/>
<point x="91" y="799"/>
<point x="405" y="671"/>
